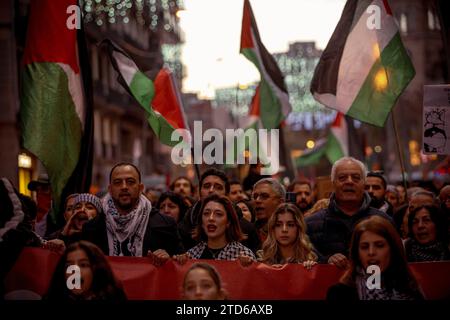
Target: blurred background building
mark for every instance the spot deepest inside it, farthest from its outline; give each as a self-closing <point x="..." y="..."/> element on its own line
<point x="149" y="30"/>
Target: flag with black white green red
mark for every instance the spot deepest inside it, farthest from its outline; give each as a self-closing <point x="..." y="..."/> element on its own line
<point x="365" y="67"/>
<point x="161" y="99"/>
<point x="334" y="147"/>
<point x="250" y="142"/>
<point x="274" y="100"/>
<point x="55" y="112"/>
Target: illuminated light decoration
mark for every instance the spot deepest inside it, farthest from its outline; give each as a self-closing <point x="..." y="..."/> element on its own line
<point x="414" y="153"/>
<point x="310" y="144"/>
<point x="297" y="65"/>
<point x="378" y="149"/>
<point x="381" y="80"/>
<point x="115" y="11"/>
<point x="24" y="161"/>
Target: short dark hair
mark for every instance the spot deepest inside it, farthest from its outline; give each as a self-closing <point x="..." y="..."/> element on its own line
<point x="172" y="185"/>
<point x="234" y="181"/>
<point x="217" y="173"/>
<point x="175" y="198"/>
<point x="299" y="182"/>
<point x="378" y="175"/>
<point x="123" y="164"/>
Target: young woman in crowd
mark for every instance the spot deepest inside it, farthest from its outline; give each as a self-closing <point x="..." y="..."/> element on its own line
<point x="86" y="206"/>
<point x="247" y="210"/>
<point x="97" y="280"/>
<point x="428" y="239"/>
<point x="173" y="205"/>
<point x="218" y="231"/>
<point x="287" y="241"/>
<point x="376" y="242"/>
<point x="203" y="282"/>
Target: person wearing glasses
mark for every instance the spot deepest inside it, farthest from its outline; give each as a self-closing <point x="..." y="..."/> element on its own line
<point x="267" y="195"/>
<point x="331" y="228"/>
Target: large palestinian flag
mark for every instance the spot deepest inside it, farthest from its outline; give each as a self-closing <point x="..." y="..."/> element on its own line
<point x="161" y="99"/>
<point x="365" y="66"/>
<point x="274" y="100"/>
<point x="56" y="120"/>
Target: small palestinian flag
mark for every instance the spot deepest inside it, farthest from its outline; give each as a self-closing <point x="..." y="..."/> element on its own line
<point x="334" y="147"/>
<point x="161" y="99"/>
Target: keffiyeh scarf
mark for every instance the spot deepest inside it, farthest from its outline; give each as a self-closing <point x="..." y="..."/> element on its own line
<point x="126" y="232"/>
<point x="431" y="252"/>
<point x="364" y="293"/>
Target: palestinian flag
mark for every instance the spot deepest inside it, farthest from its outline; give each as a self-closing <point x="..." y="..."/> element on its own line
<point x="56" y="104"/>
<point x="248" y="143"/>
<point x="161" y="99"/>
<point x="363" y="70"/>
<point x="334" y="147"/>
<point x="274" y="103"/>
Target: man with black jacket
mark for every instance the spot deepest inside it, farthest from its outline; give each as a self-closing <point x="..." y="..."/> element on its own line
<point x="129" y="225"/>
<point x="330" y="229"/>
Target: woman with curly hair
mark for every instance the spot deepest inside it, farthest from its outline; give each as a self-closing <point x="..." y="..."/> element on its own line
<point x="287" y="241"/>
<point x="97" y="281"/>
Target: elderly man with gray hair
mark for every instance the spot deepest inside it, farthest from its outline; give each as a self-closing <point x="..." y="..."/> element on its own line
<point x="330" y="229"/>
<point x="267" y="195"/>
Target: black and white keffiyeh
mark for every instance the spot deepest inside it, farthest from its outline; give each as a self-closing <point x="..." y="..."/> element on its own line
<point x="364" y="293"/>
<point x="126" y="230"/>
<point x="230" y="252"/>
<point x="417" y="252"/>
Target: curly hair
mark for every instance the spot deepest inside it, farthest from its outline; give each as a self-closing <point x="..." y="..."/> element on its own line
<point x="303" y="249"/>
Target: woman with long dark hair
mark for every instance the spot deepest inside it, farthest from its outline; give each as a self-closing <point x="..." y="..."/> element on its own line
<point x="375" y="242"/>
<point x="96" y="282"/>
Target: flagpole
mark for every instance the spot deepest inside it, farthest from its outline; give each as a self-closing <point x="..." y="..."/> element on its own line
<point x="197" y="170"/>
<point x="400" y="153"/>
<point x="287" y="158"/>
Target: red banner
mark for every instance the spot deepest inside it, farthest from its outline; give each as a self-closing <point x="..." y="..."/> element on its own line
<point x="142" y="280"/>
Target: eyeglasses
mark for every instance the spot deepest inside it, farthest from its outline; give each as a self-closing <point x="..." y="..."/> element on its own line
<point x="262" y="196"/>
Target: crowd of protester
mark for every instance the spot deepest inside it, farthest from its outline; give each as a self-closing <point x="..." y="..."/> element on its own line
<point x="365" y="221"/>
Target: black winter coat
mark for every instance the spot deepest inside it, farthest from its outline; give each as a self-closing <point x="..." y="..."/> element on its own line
<point x="330" y="230"/>
<point x="161" y="233"/>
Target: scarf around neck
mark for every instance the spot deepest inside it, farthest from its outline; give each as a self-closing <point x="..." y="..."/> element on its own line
<point x="427" y="252"/>
<point x="364" y="293"/>
<point x="126" y="230"/>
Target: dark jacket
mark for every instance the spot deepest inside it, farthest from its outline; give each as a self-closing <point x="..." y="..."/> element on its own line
<point x="342" y="292"/>
<point x="161" y="233"/>
<point x="330" y="230"/>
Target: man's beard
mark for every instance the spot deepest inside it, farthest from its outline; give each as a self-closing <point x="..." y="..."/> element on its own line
<point x="376" y="203"/>
<point x="304" y="206"/>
